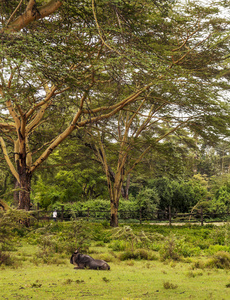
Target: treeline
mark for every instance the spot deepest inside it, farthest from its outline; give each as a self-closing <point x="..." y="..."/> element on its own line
<point x="211" y="195"/>
<point x="174" y="177"/>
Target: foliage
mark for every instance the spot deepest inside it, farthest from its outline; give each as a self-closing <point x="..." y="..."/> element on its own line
<point x="67" y="187"/>
<point x="5" y="259"/>
<point x="12" y="226"/>
<point x="221" y="235"/>
<point x="65" y="238"/>
<point x="169" y="285"/>
<point x="180" y="195"/>
<point x="220" y="260"/>
<point x="221" y="201"/>
<point x="147" y="202"/>
<point x="164" y="189"/>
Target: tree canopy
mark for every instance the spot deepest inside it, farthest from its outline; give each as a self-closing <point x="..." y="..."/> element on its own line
<point x="69" y="64"/>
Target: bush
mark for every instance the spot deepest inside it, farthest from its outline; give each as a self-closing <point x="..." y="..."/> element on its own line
<point x="147" y="202"/>
<point x="168" y="285"/>
<point x="221" y="235"/>
<point x="64" y="237"/>
<point x="5" y="259"/>
<point x="169" y="249"/>
<point x="221" y="202"/>
<point x="217" y="248"/>
<point x="128" y="209"/>
<point x="220" y="260"/>
<point x="12" y="225"/>
<point x="137" y="254"/>
<point x="117" y="245"/>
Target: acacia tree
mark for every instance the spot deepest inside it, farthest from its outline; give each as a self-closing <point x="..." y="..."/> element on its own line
<point x="129" y="145"/>
<point x="91" y="59"/>
<point x="58" y="53"/>
<point x="192" y="94"/>
<point x="119" y="145"/>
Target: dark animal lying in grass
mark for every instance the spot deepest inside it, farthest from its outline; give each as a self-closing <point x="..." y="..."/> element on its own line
<point x="87" y="262"/>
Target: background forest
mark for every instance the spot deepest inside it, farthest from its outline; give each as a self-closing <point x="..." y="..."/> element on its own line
<point x="181" y="176"/>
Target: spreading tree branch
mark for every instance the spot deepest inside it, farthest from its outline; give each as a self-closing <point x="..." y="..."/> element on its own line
<point x="11" y="166"/>
<point x="31" y="14"/>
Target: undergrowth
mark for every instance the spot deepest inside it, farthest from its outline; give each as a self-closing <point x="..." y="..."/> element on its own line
<point x="56" y="241"/>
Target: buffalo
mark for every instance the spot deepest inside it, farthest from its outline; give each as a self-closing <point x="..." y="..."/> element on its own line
<point x="87" y="262"/>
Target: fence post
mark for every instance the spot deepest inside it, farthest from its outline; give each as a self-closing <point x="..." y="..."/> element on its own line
<point x="38" y="208"/>
<point x="170" y="216"/>
<point x="201" y="216"/>
<point x="140" y="216"/>
<point x="62" y="213"/>
<point x="88" y="214"/>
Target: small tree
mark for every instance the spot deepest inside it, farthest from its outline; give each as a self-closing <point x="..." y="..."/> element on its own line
<point x="147" y="202"/>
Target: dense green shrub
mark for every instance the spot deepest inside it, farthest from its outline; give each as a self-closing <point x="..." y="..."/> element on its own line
<point x="221" y="235"/>
<point x="137" y="254"/>
<point x="118" y="245"/>
<point x="63" y="237"/>
<point x="13" y="223"/>
<point x="217" y="248"/>
<point x="176" y="248"/>
<point x="128" y="209"/>
<point x="221" y="201"/>
<point x="220" y="260"/>
<point x="6" y="259"/>
<point x="147" y="203"/>
<point x="169" y="249"/>
<point x="68" y="186"/>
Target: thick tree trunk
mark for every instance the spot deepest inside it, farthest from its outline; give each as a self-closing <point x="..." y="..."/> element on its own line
<point x="23" y="158"/>
<point x="24" y="193"/>
<point x="16" y="193"/>
<point x="114" y="213"/>
<point x="115" y="194"/>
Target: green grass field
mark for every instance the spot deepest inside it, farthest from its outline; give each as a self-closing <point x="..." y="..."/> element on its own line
<point x="140" y="280"/>
<point x="147" y="262"/>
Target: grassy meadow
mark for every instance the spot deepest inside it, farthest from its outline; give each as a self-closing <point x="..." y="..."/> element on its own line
<point x="141" y="280"/>
<point x="147" y="262"/>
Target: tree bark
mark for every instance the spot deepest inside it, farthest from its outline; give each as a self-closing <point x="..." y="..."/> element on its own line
<point x="16" y="193"/>
<point x="24" y="175"/>
<point x="114" y="212"/>
<point x="115" y="194"/>
<point x="33" y="13"/>
<point x="24" y="193"/>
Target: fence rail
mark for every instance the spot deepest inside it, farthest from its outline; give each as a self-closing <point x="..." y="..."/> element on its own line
<point x="159" y="216"/>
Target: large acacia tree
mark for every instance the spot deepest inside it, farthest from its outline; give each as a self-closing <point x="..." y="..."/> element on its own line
<point x="54" y="56"/>
<point x="83" y="61"/>
<point x="192" y="96"/>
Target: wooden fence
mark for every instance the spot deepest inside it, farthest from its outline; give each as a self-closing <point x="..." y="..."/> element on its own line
<point x="167" y="216"/>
